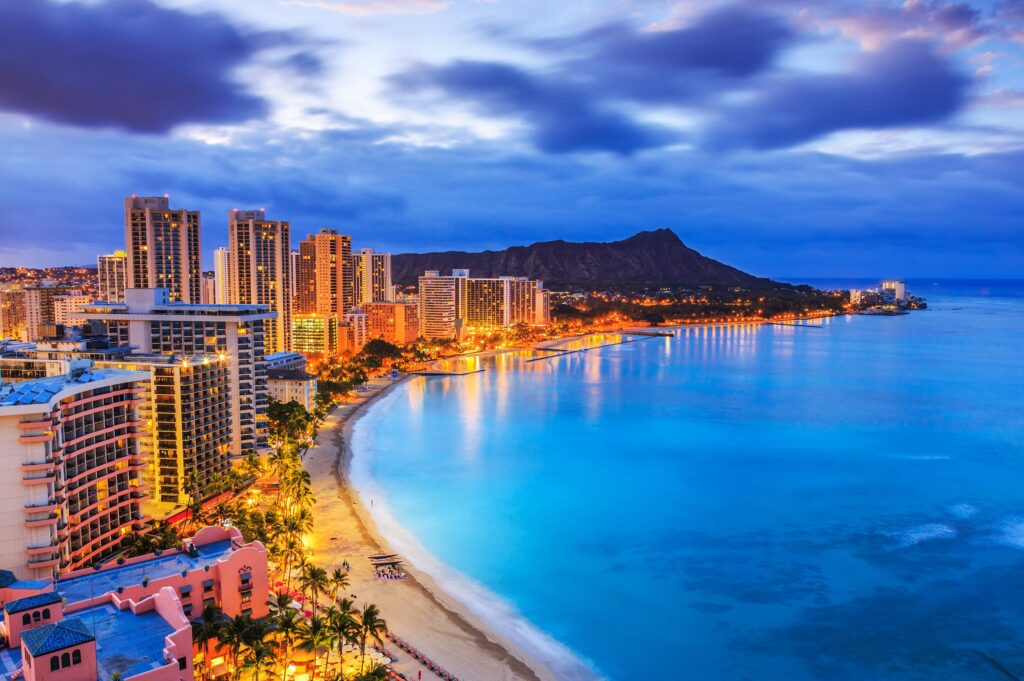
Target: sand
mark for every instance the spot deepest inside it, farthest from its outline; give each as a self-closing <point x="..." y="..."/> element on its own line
<point x="415" y="608"/>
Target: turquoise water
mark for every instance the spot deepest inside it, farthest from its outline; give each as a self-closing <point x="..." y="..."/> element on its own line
<point x="843" y="502"/>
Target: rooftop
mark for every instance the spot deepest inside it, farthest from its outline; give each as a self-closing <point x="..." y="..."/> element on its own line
<point x="126" y="643"/>
<point x="289" y="375"/>
<point x="30" y="602"/>
<point x="57" y="636"/>
<point x="42" y="390"/>
<point x="170" y="562"/>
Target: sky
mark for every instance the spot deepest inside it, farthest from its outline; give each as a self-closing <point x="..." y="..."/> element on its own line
<point x="825" y="138"/>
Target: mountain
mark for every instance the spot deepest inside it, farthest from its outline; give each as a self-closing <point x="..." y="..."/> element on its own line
<point x="647" y="259"/>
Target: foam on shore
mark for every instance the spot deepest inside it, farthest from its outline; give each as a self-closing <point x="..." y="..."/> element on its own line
<point x="498" y="613"/>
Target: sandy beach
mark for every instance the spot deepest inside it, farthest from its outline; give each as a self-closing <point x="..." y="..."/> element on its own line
<point x="416" y="609"/>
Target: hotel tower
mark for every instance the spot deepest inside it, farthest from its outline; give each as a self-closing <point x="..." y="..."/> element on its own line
<point x="260" y="270"/>
<point x="70" y="469"/>
<point x="163" y="247"/>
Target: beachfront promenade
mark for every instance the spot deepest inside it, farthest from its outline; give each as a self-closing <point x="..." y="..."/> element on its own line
<point x="417" y="610"/>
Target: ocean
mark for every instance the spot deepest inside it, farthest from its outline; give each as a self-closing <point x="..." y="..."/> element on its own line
<point x="838" y="501"/>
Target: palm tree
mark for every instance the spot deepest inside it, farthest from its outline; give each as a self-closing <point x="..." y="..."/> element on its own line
<point x="260" y="657"/>
<point x="314" y="581"/>
<point x="251" y="466"/>
<point x="371" y="626"/>
<point x="314" y="636"/>
<point x="209" y="627"/>
<point x="343" y="626"/>
<point x="339" y="581"/>
<point x="238" y="633"/>
<point x="287" y="625"/>
<point x="194" y="503"/>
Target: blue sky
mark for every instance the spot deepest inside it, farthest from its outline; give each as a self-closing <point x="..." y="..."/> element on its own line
<point x="825" y="138"/>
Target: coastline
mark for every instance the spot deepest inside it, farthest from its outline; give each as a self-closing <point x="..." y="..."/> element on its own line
<point x="416" y="608"/>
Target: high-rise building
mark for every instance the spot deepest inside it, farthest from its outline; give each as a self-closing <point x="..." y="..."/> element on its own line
<point x="209" y="292"/>
<point x="452" y="305"/>
<point x="64" y="306"/>
<point x="186" y="411"/>
<point x="151" y="323"/>
<point x="501" y="302"/>
<point x="325" y="274"/>
<point x="397" y="323"/>
<point x="13" y="314"/>
<point x="442" y="301"/>
<point x="260" y="257"/>
<point x="315" y="334"/>
<point x="222" y="276"/>
<point x="70" y="473"/>
<point x="163" y="247"/>
<point x="112" y="270"/>
<point x="40" y="310"/>
<point x="373" y="277"/>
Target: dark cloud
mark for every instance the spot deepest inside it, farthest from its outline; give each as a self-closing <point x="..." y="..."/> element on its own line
<point x="723" y="46"/>
<point x="583" y="101"/>
<point x="906" y="83"/>
<point x="563" y="118"/>
<point x="129" y="64"/>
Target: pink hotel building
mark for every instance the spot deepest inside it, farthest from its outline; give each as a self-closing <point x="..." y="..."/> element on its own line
<point x="129" y="617"/>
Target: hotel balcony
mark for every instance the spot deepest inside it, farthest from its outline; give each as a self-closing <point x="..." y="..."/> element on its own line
<point x="48" y="507"/>
<point x="48" y="521"/>
<point x="35" y="425"/>
<point x="45" y="479"/>
<point x="29" y="439"/>
<point x="39" y="466"/>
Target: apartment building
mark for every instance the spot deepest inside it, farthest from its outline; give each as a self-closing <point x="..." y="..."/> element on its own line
<point x="163" y="247"/>
<point x="112" y="274"/>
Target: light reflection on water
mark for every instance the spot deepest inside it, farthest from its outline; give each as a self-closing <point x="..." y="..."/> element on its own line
<point x="771" y="501"/>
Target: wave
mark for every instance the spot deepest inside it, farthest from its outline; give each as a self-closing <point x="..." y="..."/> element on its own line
<point x="963" y="511"/>
<point x="499" y="614"/>
<point x="923" y="533"/>
<point x="1011" y="532"/>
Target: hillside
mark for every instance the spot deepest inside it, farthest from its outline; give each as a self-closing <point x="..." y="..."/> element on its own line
<point x="656" y="258"/>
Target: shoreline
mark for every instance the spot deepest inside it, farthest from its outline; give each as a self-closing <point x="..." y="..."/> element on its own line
<point x="416" y="608"/>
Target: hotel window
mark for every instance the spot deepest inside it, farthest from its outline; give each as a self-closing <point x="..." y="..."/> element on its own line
<point x="54" y="663"/>
<point x="247" y="597"/>
<point x="207" y="585"/>
<point x="76" y="657"/>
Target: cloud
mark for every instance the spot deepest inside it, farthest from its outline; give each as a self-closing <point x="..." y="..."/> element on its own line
<point x="563" y="118"/>
<point x="955" y="25"/>
<point x="362" y="8"/>
<point x="130" y="64"/>
<point x="717" y="49"/>
<point x="903" y="84"/>
<point x="719" y="72"/>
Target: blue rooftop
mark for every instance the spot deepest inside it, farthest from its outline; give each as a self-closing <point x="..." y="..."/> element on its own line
<point x="57" y="636"/>
<point x="29" y="602"/>
<point x="126" y="643"/>
<point x="170" y="563"/>
<point x="42" y="390"/>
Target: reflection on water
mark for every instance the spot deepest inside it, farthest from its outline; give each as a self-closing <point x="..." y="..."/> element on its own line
<point x="774" y="502"/>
